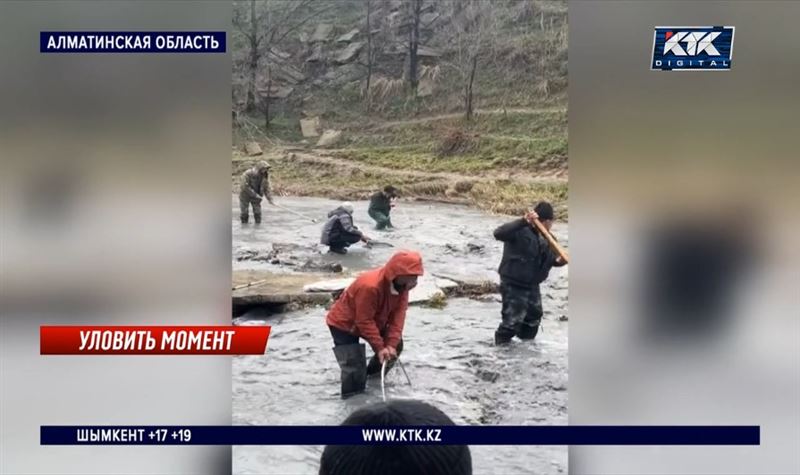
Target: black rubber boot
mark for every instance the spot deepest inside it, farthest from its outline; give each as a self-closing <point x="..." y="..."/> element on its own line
<point x="502" y="338"/>
<point x="352" y="360"/>
<point x="528" y="331"/>
<point x="338" y="250"/>
<point x="245" y="219"/>
<point x="257" y="218"/>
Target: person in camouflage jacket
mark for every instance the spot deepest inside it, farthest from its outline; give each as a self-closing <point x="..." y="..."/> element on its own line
<point x="254" y="187"/>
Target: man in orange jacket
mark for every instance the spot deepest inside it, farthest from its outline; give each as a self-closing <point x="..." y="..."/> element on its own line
<point x="373" y="308"/>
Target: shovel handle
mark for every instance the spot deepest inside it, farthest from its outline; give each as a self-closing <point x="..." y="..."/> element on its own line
<point x="551" y="240"/>
<point x="249" y="284"/>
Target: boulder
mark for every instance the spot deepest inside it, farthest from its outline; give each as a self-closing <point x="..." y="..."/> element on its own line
<point x="426" y="20"/>
<point x="425" y="290"/>
<point x="316" y="54"/>
<point x="286" y="73"/>
<point x="348" y="37"/>
<point x="322" y="33"/>
<point x="329" y="138"/>
<point x="310" y="127"/>
<point x="349" y="53"/>
<point x="252" y="149"/>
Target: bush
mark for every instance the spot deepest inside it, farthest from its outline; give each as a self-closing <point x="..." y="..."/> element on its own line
<point x="456" y="142"/>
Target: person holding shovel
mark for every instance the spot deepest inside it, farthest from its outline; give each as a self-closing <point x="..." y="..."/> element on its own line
<point x="374" y="308"/>
<point x="526" y="263"/>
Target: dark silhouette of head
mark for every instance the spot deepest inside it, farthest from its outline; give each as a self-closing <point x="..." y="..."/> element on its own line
<point x="397" y="459"/>
<point x="391" y="191"/>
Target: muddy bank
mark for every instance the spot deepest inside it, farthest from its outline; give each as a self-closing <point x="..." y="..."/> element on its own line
<point x="313" y="174"/>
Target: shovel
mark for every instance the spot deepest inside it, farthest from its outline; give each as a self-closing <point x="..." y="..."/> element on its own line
<point x="305" y="216"/>
<point x="370" y="244"/>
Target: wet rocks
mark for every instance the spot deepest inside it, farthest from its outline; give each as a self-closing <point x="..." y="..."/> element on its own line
<point x="475" y="248"/>
<point x="488" y="376"/>
<point x="472" y="247"/>
<point x="254" y="255"/>
<point x="290" y="255"/>
<point x="476" y="289"/>
<point x="287" y="247"/>
<point x="312" y="265"/>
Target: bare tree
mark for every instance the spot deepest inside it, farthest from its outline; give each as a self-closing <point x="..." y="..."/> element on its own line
<point x="264" y="24"/>
<point x="370" y="57"/>
<point x="469" y="33"/>
<point x="266" y="98"/>
<point x="415" y="11"/>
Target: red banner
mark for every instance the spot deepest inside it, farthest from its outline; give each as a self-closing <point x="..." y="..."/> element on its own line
<point x="152" y="340"/>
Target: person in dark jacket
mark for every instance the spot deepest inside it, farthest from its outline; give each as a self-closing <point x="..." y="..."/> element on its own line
<point x="527" y="260"/>
<point x="339" y="233"/>
<point x="421" y="459"/>
<point x="380" y="206"/>
<point x="254" y="185"/>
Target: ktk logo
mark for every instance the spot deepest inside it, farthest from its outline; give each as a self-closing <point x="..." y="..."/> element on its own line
<point x="699" y="48"/>
<point x="696" y="43"/>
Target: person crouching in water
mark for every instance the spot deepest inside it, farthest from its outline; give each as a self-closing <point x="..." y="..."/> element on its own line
<point x="339" y="233"/>
<point x="373" y="308"/>
<point x="527" y="260"/>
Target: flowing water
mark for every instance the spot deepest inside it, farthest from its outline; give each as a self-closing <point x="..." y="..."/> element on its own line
<point x="448" y="352"/>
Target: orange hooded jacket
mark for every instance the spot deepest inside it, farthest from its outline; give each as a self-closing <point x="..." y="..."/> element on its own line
<point x="369" y="309"/>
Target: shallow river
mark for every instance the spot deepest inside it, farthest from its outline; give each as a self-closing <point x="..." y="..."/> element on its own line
<point x="448" y="352"/>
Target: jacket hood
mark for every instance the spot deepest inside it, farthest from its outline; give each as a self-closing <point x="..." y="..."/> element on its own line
<point x="403" y="263"/>
<point x="338" y="211"/>
<point x="262" y="166"/>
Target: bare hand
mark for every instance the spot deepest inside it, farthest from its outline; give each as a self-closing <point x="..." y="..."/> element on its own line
<point x="392" y="352"/>
<point x="384" y="355"/>
<point x="365" y="238"/>
<point x="530" y="216"/>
